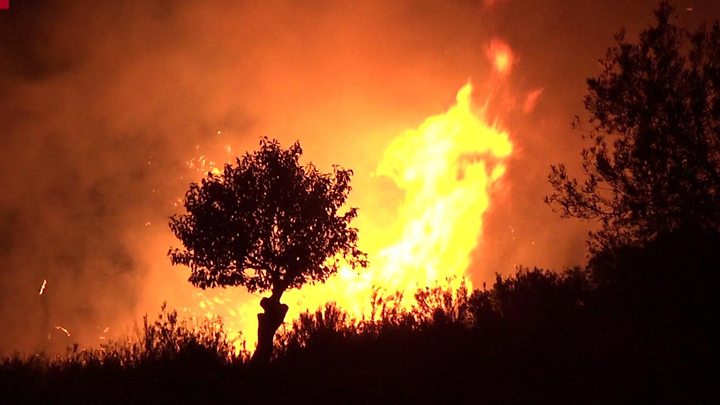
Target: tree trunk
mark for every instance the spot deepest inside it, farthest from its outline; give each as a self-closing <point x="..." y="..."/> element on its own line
<point x="268" y="324"/>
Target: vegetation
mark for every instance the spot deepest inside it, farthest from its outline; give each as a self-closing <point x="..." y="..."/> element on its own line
<point x="167" y="353"/>
<point x="268" y="224"/>
<point x="659" y="103"/>
<point x="536" y="336"/>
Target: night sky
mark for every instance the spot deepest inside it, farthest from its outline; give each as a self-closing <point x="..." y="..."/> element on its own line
<point x="104" y="106"/>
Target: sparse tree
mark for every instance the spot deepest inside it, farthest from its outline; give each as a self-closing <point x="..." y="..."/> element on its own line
<point x="269" y="224"/>
<point x="653" y="165"/>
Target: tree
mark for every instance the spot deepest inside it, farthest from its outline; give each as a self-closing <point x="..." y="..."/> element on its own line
<point x="659" y="103"/>
<point x="268" y="224"/>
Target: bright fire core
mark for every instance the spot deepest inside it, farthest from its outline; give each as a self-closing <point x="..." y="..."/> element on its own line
<point x="447" y="167"/>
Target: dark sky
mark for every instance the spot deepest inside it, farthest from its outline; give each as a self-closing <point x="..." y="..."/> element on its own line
<point x="102" y="104"/>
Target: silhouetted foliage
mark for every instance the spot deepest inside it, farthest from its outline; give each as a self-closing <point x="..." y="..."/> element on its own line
<point x="443" y="306"/>
<point x="658" y="100"/>
<point x="268" y="224"/>
<point x="659" y="306"/>
<point x="539" y="301"/>
<point x="171" y="338"/>
<point x="673" y="277"/>
<point x="533" y="337"/>
<point x="170" y="359"/>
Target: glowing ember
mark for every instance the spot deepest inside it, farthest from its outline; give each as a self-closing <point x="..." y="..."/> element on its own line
<point x="501" y="56"/>
<point x="42" y="287"/>
<point x="203" y="165"/>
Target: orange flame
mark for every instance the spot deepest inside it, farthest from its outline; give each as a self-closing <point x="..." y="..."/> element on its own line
<point x="446" y="167"/>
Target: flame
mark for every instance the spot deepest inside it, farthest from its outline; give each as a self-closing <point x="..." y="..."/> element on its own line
<point x="446" y="167"/>
<point x="42" y="287"/>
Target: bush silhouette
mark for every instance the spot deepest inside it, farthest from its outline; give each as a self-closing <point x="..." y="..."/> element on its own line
<point x="653" y="164"/>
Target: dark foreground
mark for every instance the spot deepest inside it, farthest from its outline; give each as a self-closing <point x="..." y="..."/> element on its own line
<point x="638" y="325"/>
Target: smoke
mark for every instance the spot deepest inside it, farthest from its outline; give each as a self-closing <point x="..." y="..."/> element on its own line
<point x="103" y="103"/>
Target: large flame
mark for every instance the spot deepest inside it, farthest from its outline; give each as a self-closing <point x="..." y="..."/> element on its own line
<point x="446" y="167"/>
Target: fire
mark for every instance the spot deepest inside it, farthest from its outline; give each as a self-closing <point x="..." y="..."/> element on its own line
<point x="42" y="287"/>
<point x="447" y="168"/>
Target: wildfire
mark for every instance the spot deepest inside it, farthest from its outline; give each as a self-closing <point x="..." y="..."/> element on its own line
<point x="447" y="168"/>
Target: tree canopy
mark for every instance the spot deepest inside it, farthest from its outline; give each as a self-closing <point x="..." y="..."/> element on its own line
<point x="266" y="223"/>
<point x="653" y="165"/>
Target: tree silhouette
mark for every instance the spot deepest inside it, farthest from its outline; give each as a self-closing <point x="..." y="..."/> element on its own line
<point x="659" y="103"/>
<point x="268" y="224"/>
